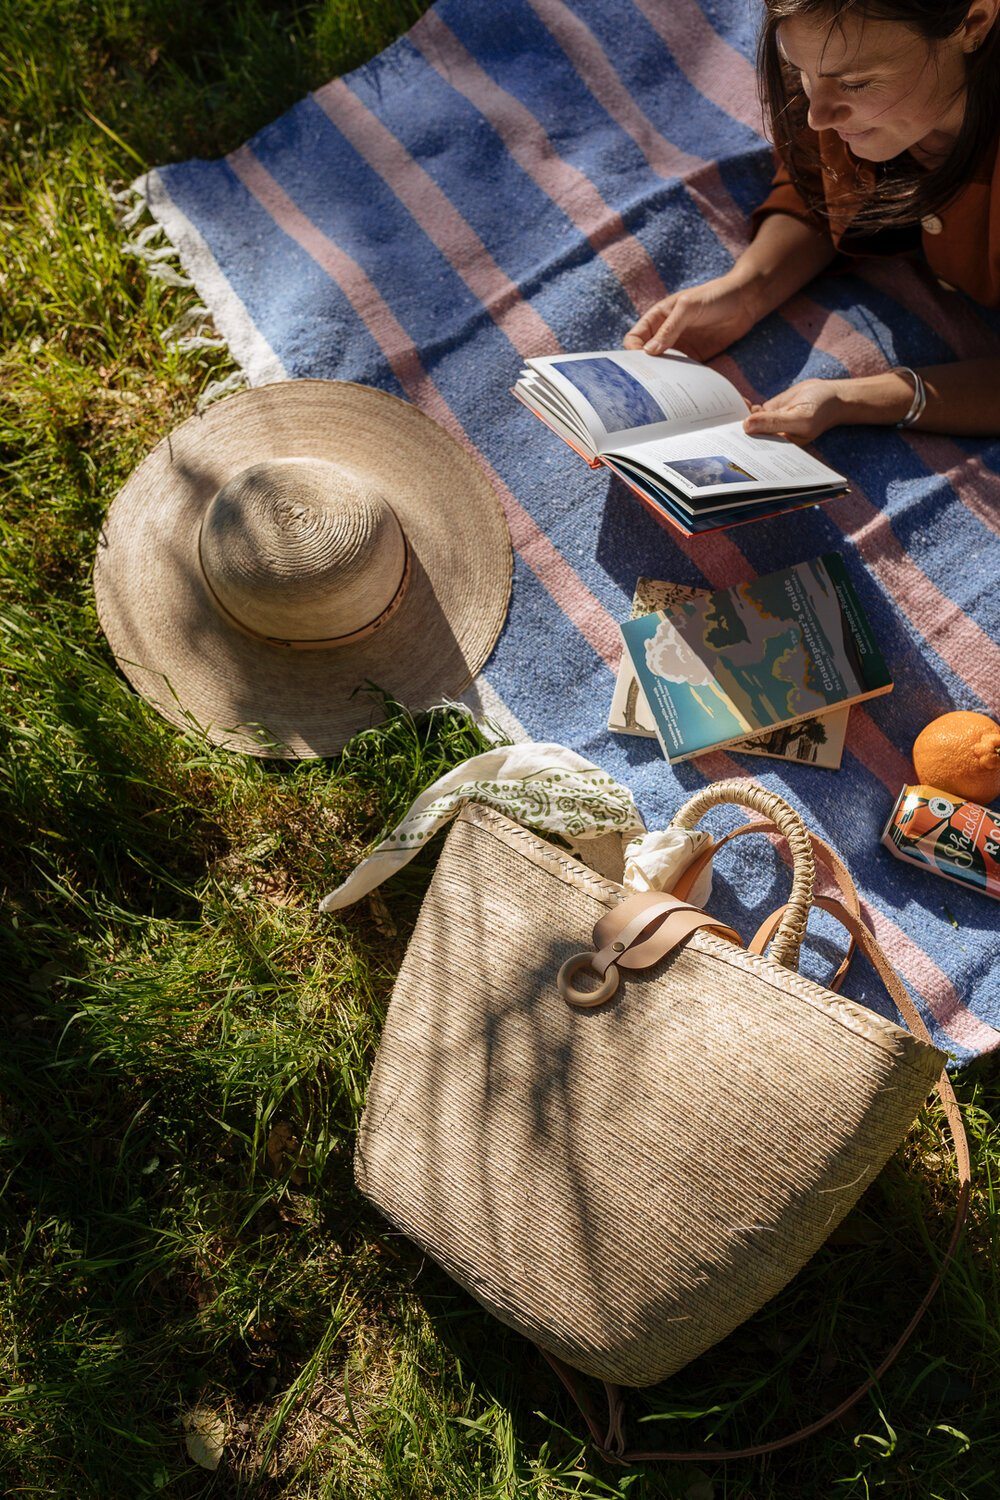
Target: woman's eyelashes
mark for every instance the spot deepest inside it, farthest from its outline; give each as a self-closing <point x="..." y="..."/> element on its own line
<point x="858" y="87"/>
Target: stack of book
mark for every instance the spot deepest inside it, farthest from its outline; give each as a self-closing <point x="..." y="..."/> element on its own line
<point x="769" y="667"/>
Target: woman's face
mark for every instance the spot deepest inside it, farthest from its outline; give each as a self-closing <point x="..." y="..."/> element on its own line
<point x="879" y="84"/>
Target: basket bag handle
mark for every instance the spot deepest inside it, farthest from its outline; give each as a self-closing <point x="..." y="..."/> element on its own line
<point x="784" y="930"/>
<point x="822" y="855"/>
<point x="795" y="914"/>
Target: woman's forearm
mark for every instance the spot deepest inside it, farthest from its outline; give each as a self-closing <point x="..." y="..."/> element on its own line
<point x="963" y="399"/>
<point x="782" y="257"/>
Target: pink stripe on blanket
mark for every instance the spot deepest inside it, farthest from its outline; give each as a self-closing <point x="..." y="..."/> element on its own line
<point x="440" y="221"/>
<point x="932" y="983"/>
<point x="957" y="639"/>
<point x="568" y="591"/>
<point x="715" y="68"/>
<point x="534" y="153"/>
<point x="701" y="178"/>
<point x="873" y="748"/>
<point x="976" y="486"/>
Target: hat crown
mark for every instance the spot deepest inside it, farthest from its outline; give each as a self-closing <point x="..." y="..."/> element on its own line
<point x="302" y="550"/>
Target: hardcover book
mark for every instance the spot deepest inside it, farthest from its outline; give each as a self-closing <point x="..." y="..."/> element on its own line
<point x="672" y="430"/>
<point x="756" y="657"/>
<point x="816" y="741"/>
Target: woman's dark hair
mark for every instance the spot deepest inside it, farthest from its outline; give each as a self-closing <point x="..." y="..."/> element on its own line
<point x="904" y="193"/>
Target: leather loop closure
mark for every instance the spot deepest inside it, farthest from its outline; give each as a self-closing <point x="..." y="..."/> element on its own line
<point x="585" y="999"/>
<point x="624" y="937"/>
<point x="635" y="934"/>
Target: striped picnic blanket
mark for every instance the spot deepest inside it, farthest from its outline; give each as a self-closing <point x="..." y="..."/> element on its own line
<point x="519" y="177"/>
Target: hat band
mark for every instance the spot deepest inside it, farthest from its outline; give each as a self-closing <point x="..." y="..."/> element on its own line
<point x="314" y="644"/>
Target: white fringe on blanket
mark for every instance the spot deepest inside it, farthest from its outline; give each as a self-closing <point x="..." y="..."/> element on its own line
<point x="195" y="328"/>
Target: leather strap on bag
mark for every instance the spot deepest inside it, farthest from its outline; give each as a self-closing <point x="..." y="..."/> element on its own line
<point x="635" y="934"/>
<point x="609" y="1439"/>
<point x="823" y="855"/>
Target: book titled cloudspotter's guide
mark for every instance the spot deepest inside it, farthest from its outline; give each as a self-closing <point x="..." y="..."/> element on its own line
<point x="816" y="741"/>
<point x="672" y="430"/>
<point x="744" y="660"/>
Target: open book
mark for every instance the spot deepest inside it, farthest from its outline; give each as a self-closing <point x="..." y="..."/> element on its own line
<point x="672" y="429"/>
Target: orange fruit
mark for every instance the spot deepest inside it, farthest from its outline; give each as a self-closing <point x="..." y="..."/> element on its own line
<point x="960" y="753"/>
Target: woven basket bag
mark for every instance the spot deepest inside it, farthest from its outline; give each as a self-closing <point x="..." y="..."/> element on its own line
<point x="624" y="1166"/>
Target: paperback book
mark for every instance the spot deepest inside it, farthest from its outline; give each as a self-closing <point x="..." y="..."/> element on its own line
<point x="816" y="741"/>
<point x="672" y="430"/>
<point x="741" y="661"/>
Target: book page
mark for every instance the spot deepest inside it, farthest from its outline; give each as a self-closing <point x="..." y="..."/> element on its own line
<point x="624" y="394"/>
<point x="720" y="460"/>
<point x="559" y="414"/>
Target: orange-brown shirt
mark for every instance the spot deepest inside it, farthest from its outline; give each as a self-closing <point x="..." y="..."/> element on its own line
<point x="961" y="243"/>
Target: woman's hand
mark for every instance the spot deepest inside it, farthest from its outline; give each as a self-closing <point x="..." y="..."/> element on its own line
<point x="803" y="412"/>
<point x="962" y="400"/>
<point x="702" y="320"/>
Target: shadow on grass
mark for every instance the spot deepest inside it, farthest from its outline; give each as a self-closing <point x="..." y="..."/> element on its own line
<point x="788" y="1365"/>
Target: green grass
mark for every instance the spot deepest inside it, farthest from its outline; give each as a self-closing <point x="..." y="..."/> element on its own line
<point x="186" y="1044"/>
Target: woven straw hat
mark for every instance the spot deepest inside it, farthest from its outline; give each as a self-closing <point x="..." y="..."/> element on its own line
<point x="293" y="543"/>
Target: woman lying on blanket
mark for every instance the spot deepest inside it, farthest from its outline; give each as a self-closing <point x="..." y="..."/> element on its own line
<point x="885" y="116"/>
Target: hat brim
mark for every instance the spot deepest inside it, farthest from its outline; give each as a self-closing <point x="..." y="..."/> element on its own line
<point x="204" y="674"/>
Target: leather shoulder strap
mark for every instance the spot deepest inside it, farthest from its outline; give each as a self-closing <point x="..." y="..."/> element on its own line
<point x="610" y="1440"/>
<point x="823" y="854"/>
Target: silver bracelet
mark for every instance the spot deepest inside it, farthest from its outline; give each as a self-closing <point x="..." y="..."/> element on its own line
<point x="919" y="401"/>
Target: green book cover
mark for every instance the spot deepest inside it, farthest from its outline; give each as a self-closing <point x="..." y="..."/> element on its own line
<point x="755" y="657"/>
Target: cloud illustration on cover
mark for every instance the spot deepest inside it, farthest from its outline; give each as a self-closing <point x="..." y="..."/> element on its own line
<point x="669" y="656"/>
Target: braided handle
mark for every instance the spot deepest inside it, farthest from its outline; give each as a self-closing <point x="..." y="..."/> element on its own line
<point x="792" y="927"/>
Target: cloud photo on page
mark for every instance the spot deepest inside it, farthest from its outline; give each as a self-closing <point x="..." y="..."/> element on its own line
<point x="617" y="397"/>
<point x="713" y="469"/>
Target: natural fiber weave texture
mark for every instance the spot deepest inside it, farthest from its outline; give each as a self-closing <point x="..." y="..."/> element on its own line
<point x="201" y="671"/>
<point x="792" y="928"/>
<point x="622" y="1185"/>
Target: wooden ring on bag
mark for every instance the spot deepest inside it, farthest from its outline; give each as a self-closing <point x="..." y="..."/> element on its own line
<point x="585" y="998"/>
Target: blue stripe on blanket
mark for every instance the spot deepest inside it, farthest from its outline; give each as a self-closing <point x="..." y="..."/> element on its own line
<point x="584" y="164"/>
